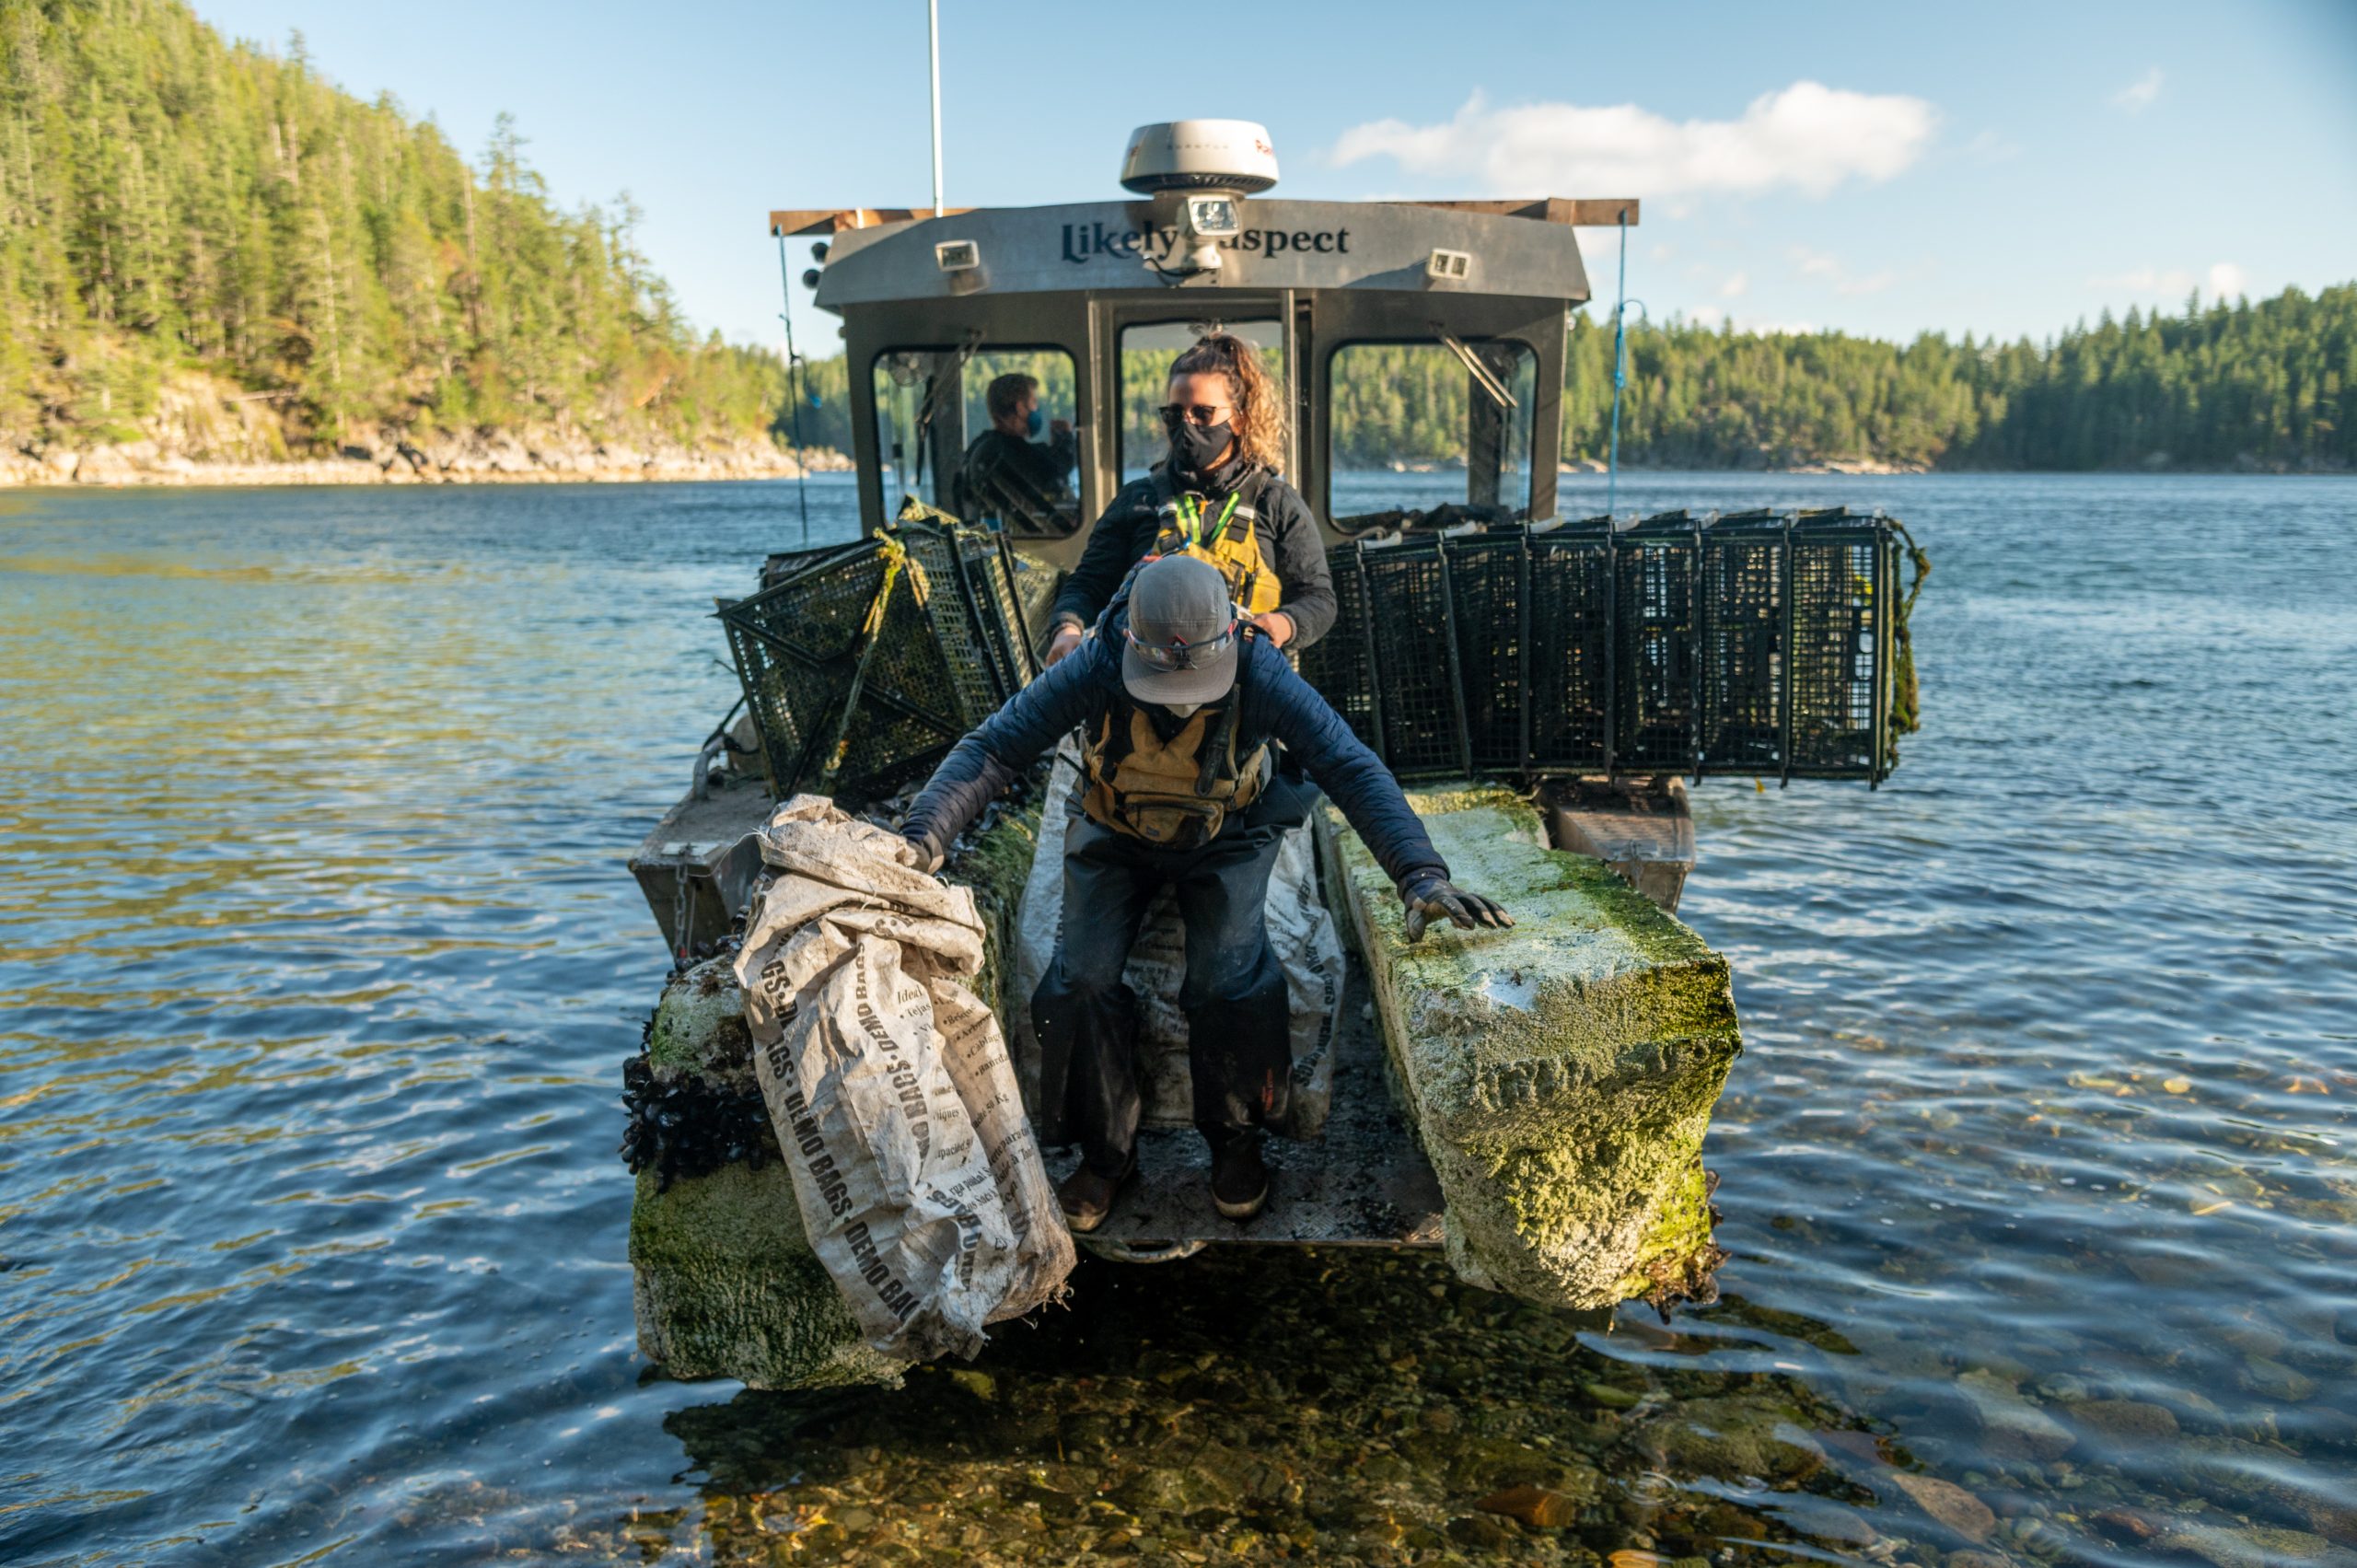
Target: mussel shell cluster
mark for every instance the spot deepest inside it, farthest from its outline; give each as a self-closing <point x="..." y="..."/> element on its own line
<point x="687" y="1126"/>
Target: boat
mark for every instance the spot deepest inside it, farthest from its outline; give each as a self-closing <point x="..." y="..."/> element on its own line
<point x="1532" y="1103"/>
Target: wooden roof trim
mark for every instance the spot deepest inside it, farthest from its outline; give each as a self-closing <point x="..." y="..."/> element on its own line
<point x="1587" y="211"/>
<point x="834" y="220"/>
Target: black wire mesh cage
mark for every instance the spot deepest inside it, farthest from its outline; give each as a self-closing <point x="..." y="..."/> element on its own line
<point x="1752" y="643"/>
<point x="1843" y="577"/>
<point x="863" y="664"/>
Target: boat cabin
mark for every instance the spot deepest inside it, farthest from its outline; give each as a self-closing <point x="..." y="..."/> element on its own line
<point x="1357" y="308"/>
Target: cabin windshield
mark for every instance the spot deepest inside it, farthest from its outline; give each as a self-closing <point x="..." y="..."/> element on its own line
<point x="1419" y="425"/>
<point x="932" y="410"/>
<point x="1147" y="352"/>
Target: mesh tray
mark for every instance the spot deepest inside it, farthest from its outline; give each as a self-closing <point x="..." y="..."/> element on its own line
<point x="1488" y="577"/>
<point x="1421" y="719"/>
<point x="1745" y="571"/>
<point x="1569" y="692"/>
<point x="1656" y="653"/>
<point x="947" y="649"/>
<point x="1843" y="571"/>
<point x="1340" y="664"/>
<point x="1750" y="642"/>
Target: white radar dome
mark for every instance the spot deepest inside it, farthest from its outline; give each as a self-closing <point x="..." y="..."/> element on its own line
<point x="1231" y="155"/>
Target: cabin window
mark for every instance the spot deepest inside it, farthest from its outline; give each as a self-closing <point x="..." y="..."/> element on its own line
<point x="1415" y="427"/>
<point x="938" y="439"/>
<point x="1147" y="352"/>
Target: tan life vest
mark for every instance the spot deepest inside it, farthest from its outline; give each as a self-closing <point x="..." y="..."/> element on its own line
<point x="1228" y="535"/>
<point x="1174" y="794"/>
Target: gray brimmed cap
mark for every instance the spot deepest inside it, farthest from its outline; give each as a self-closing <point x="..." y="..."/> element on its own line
<point x="1180" y="602"/>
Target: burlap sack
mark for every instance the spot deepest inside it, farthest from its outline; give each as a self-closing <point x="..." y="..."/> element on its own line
<point x="888" y="1083"/>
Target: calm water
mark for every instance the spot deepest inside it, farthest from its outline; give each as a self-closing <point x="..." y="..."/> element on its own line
<point x="318" y="962"/>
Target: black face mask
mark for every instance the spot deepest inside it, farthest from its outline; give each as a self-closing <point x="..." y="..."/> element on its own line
<point x="1195" y="447"/>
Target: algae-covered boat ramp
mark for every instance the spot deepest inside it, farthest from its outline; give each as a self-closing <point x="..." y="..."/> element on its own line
<point x="1532" y="1100"/>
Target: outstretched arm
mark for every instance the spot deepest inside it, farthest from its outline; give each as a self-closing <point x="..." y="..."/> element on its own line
<point x="1370" y="798"/>
<point x="986" y="760"/>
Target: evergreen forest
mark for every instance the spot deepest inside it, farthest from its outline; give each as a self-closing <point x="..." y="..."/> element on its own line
<point x="175" y="206"/>
<point x="171" y="204"/>
<point x="2270" y="385"/>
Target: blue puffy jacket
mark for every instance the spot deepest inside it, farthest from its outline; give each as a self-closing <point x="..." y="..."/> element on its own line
<point x="1278" y="705"/>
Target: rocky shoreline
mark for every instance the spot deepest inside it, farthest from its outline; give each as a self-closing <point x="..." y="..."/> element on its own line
<point x="474" y="459"/>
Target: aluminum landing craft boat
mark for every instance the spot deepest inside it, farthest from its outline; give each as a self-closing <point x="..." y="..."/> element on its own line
<point x="1533" y="1101"/>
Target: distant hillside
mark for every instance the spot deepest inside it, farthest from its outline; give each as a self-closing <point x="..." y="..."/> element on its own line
<point x="2270" y="385"/>
<point x="188" y="223"/>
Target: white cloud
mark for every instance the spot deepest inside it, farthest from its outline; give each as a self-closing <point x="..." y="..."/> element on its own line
<point x="2137" y="95"/>
<point x="2145" y="280"/>
<point x="1807" y="136"/>
<point x="1734" y="286"/>
<point x="1706" y="315"/>
<point x="1825" y="264"/>
<point x="2221" y="280"/>
<point x="1991" y="147"/>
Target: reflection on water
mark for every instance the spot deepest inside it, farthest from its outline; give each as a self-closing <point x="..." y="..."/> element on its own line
<point x="318" y="962"/>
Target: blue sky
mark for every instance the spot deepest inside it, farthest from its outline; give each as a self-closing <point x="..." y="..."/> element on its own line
<point x="1877" y="169"/>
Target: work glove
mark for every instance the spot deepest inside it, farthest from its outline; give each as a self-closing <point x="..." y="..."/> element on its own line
<point x="922" y="854"/>
<point x="1428" y="894"/>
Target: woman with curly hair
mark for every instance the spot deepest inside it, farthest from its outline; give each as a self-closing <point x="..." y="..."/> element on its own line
<point x="1218" y="497"/>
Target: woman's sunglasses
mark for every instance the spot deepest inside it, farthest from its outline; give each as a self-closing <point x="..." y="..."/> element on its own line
<point x="1181" y="655"/>
<point x="1176" y="415"/>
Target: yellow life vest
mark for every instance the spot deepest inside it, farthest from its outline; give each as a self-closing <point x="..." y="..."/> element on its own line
<point x="1228" y="537"/>
<point x="1174" y="794"/>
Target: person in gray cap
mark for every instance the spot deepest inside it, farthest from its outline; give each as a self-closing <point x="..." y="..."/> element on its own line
<point x="1177" y="700"/>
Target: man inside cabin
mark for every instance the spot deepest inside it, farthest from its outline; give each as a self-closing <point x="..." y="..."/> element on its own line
<point x="1007" y="473"/>
<point x="1178" y="700"/>
<point x="1217" y="495"/>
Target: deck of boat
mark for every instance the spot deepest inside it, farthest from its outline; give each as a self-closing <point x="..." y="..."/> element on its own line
<point x="1363" y="1182"/>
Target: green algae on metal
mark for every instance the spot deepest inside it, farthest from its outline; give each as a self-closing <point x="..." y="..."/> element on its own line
<point x="1561" y="1075"/>
<point x="725" y="1284"/>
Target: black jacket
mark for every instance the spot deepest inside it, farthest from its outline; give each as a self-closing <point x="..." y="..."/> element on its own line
<point x="1278" y="705"/>
<point x="1003" y="473"/>
<point x="1289" y="541"/>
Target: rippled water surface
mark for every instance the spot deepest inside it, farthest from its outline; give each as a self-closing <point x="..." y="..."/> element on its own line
<point x="318" y="962"/>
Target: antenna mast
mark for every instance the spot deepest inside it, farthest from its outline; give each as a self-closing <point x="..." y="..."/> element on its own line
<point x="932" y="37"/>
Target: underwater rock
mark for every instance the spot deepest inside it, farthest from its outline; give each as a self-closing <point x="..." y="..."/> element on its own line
<point x="1949" y="1504"/>
<point x="2256" y="1547"/>
<point x="2012" y="1427"/>
<point x="2273" y="1380"/>
<point x="1560" y="1075"/>
<point x="1729" y="1439"/>
<point x="2126" y="1421"/>
<point x="1533" y="1506"/>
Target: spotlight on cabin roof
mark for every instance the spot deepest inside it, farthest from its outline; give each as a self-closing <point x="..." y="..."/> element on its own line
<point x="1230" y="155"/>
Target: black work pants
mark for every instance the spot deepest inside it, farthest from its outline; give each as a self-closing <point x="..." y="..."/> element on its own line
<point x="1240" y="1055"/>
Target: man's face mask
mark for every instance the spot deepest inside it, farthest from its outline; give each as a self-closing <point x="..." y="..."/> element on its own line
<point x="1034" y="422"/>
